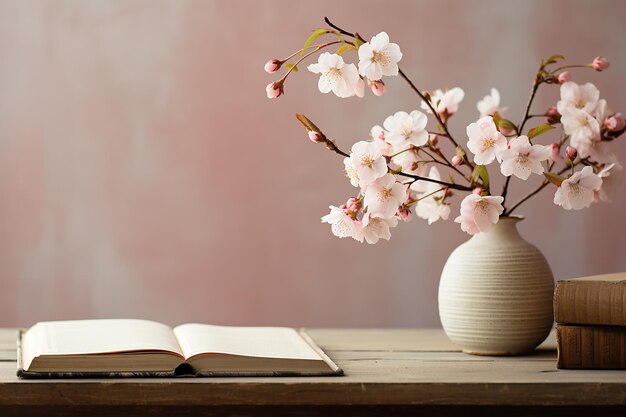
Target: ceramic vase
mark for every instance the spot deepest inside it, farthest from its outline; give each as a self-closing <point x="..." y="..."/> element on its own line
<point x="495" y="293"/>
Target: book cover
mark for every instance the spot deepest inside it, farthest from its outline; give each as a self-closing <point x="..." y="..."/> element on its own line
<point x="591" y="347"/>
<point x="594" y="300"/>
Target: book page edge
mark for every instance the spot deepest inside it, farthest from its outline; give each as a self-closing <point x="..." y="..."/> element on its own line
<point x="336" y="370"/>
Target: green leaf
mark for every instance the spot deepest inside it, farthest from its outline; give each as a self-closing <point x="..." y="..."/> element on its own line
<point x="554" y="178"/>
<point x="316" y="34"/>
<point x="506" y="124"/>
<point x="295" y="68"/>
<point x="460" y="152"/>
<point x="358" y="41"/>
<point x="553" y="59"/>
<point x="344" y="48"/>
<point x="536" y="131"/>
<point x="480" y="171"/>
<point x="496" y="118"/>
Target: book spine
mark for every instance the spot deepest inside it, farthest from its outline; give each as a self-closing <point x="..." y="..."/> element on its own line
<point x="602" y="303"/>
<point x="591" y="347"/>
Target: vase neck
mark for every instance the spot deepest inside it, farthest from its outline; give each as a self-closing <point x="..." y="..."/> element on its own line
<point x="506" y="228"/>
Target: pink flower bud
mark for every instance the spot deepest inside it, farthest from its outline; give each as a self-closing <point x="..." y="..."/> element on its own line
<point x="434" y="140"/>
<point x="273" y="65"/>
<point x="555" y="155"/>
<point x="457" y="160"/>
<point x="316" y="137"/>
<point x="600" y="63"/>
<point x="552" y="115"/>
<point x="404" y="213"/>
<point x="477" y="190"/>
<point x="274" y="89"/>
<point x="552" y="112"/>
<point x="353" y="205"/>
<point x="571" y="152"/>
<point x="615" y="123"/>
<point x="413" y="166"/>
<point x="343" y="206"/>
<point x="377" y="87"/>
<point x="564" y="77"/>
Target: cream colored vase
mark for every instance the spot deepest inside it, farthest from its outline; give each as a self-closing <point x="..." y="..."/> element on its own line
<point x="495" y="293"/>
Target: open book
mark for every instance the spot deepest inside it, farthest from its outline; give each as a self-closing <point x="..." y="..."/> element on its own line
<point x="117" y="347"/>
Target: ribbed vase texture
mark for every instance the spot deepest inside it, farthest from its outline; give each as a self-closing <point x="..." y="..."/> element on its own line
<point x="495" y="293"/>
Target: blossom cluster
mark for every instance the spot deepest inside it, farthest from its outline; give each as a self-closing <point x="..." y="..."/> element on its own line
<point x="376" y="58"/>
<point x="397" y="170"/>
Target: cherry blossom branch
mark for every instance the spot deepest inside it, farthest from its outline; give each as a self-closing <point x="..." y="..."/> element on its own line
<point x="571" y="66"/>
<point x="417" y="149"/>
<point x="447" y="184"/>
<point x="536" y="190"/>
<point x="430" y="106"/>
<point x="450" y="165"/>
<point x="308" y="54"/>
<point x="531" y="194"/>
<point x="440" y="122"/>
<point x="536" y="83"/>
<point x="427" y="195"/>
<point x="331" y="145"/>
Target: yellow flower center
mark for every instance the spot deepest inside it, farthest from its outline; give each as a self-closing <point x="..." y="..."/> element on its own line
<point x="380" y="57"/>
<point x="482" y="206"/>
<point x="488" y="143"/>
<point x="366" y="160"/>
<point x="332" y="75"/>
<point x="575" y="189"/>
<point x="523" y="159"/>
<point x="385" y="194"/>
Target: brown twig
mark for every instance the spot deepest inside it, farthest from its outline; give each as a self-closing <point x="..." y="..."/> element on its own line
<point x="535" y="191"/>
<point x="533" y="92"/>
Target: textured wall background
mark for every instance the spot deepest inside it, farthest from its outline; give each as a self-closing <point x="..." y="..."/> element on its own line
<point x="143" y="172"/>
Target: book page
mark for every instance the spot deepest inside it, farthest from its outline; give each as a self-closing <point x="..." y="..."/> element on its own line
<point x="265" y="342"/>
<point x="101" y="336"/>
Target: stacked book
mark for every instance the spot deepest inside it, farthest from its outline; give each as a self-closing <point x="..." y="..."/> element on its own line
<point x="590" y="316"/>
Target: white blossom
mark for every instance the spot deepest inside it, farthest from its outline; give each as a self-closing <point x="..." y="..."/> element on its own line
<point x="337" y="76"/>
<point x="368" y="162"/>
<point x="479" y="213"/>
<point x="521" y="158"/>
<point x="485" y="141"/>
<point x="375" y="228"/>
<point x="611" y="177"/>
<point x="577" y="191"/>
<point x="490" y="104"/>
<point x="581" y="127"/>
<point x="582" y="97"/>
<point x="406" y="129"/>
<point x="430" y="195"/>
<point x="378" y="57"/>
<point x="342" y="225"/>
<point x="445" y="103"/>
<point x="384" y="196"/>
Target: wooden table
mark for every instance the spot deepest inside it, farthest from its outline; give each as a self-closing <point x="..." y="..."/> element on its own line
<point x="388" y="373"/>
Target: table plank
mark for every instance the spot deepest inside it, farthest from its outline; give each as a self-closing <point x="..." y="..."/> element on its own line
<point x="398" y="367"/>
<point x="7" y="338"/>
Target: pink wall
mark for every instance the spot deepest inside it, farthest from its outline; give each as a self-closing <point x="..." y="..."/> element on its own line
<point x="143" y="172"/>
